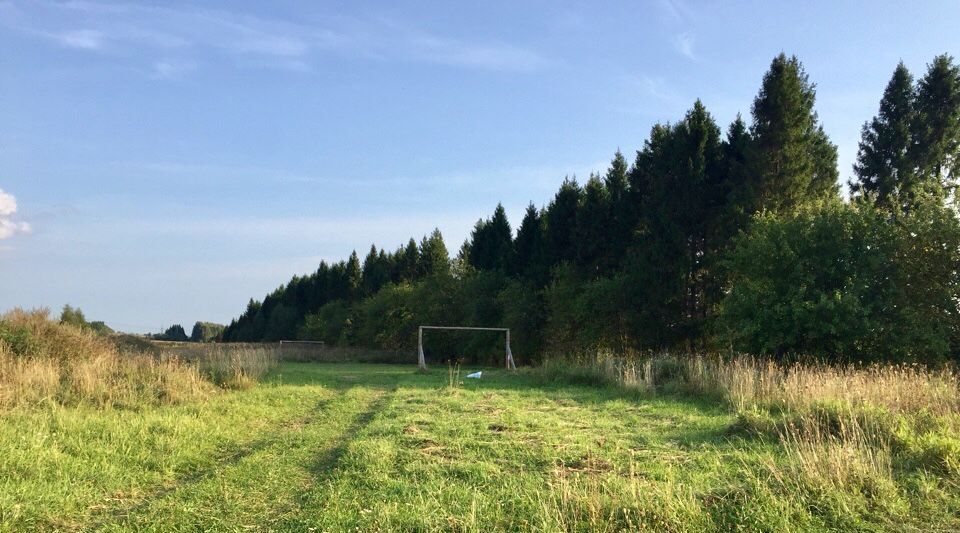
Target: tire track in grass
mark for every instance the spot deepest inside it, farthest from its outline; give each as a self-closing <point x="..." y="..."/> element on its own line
<point x="187" y="492"/>
<point x="326" y="462"/>
<point x="231" y="455"/>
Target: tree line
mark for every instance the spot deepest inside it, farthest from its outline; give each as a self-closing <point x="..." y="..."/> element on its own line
<point x="202" y="332"/>
<point x="707" y="240"/>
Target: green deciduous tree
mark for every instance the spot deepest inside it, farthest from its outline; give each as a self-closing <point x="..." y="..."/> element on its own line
<point x="845" y="282"/>
<point x="73" y="316"/>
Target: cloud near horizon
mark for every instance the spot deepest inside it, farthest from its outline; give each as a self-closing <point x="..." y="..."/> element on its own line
<point x="8" y="208"/>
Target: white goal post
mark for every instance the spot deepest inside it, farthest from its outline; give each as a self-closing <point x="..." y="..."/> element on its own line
<point x="422" y="362"/>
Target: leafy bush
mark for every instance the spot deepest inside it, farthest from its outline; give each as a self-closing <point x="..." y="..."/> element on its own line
<point x="847" y="282"/>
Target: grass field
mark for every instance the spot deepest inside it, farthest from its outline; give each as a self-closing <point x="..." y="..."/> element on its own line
<point x="337" y="447"/>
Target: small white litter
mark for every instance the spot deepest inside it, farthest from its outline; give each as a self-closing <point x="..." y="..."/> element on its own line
<point x="475" y="375"/>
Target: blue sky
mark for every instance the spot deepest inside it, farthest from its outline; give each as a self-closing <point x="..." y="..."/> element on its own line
<point x="163" y="162"/>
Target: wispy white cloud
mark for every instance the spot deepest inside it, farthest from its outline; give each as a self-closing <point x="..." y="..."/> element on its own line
<point x="247" y="40"/>
<point x="83" y="39"/>
<point x="651" y="96"/>
<point x="657" y="87"/>
<point x="678" y="18"/>
<point x="171" y="69"/>
<point x="495" y="56"/>
<point x="684" y="44"/>
<point x="678" y="10"/>
<point x="8" y="209"/>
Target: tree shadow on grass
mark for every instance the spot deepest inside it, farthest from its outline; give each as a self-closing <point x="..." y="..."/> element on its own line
<point x="226" y="457"/>
<point x="325" y="465"/>
<point x="326" y="462"/>
<point x="692" y="414"/>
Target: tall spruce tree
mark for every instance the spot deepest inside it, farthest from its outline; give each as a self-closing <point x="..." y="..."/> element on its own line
<point x="460" y="267"/>
<point x="742" y="183"/>
<point x="795" y="160"/>
<point x="560" y="219"/>
<point x="528" y="249"/>
<point x="681" y="171"/>
<point x="621" y="227"/>
<point x="884" y="167"/>
<point x="491" y="246"/>
<point x="434" y="257"/>
<point x="354" y="277"/>
<point x="936" y="127"/>
<point x="408" y="261"/>
<point x="376" y="272"/>
<point x="592" y="234"/>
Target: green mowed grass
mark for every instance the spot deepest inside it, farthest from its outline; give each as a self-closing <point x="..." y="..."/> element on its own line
<point x="368" y="447"/>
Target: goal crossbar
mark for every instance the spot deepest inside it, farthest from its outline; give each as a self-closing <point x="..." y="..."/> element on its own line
<point x="422" y="362"/>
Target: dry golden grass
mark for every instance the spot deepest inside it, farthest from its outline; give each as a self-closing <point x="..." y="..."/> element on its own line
<point x="747" y="382"/>
<point x="44" y="361"/>
<point x="235" y="366"/>
<point x="900" y="389"/>
<point x="842" y="428"/>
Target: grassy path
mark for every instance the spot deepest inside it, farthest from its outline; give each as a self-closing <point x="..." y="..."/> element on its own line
<point x="364" y="447"/>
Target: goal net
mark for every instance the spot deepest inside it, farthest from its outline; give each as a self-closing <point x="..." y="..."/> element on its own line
<point x="422" y="362"/>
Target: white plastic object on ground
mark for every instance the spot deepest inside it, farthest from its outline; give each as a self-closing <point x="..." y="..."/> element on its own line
<point x="475" y="375"/>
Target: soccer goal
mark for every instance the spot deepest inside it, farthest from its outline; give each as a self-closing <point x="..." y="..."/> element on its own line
<point x="422" y="362"/>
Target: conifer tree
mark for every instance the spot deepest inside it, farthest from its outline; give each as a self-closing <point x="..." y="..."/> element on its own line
<point x="461" y="267"/>
<point x="884" y="166"/>
<point x="795" y="160"/>
<point x="529" y="260"/>
<point x="621" y="224"/>
<point x="616" y="177"/>
<point x="434" y="258"/>
<point x="354" y="277"/>
<point x="680" y="171"/>
<point x="594" y="224"/>
<point x="936" y="127"/>
<point x="491" y="246"/>
<point x="560" y="221"/>
<point x="408" y="261"/>
<point x="376" y="272"/>
<point x="742" y="183"/>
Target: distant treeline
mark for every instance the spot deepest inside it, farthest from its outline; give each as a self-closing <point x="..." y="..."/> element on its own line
<point x="706" y="241"/>
<point x="202" y="332"/>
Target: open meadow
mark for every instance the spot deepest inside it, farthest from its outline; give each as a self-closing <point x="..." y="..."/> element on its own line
<point x="674" y="265"/>
<point x="336" y="447"/>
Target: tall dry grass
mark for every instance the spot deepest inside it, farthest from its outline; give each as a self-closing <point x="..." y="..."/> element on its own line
<point x="230" y="366"/>
<point x="43" y="361"/>
<point x="747" y="382"/>
<point x="841" y="428"/>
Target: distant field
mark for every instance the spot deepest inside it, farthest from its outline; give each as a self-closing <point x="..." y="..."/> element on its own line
<point x="336" y="447"/>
